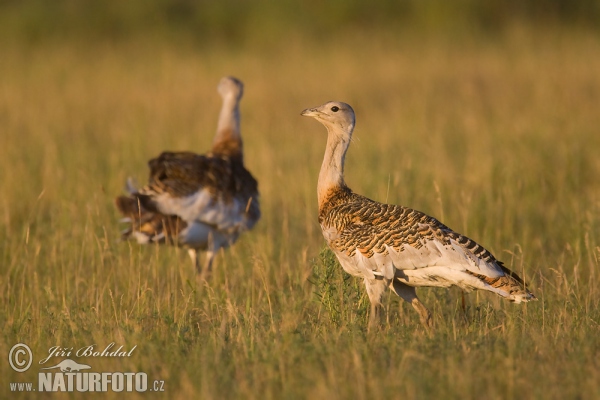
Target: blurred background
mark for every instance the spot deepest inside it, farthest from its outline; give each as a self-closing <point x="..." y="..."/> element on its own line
<point x="236" y="22"/>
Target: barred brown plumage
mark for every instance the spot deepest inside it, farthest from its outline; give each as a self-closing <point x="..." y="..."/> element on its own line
<point x="394" y="246"/>
<point x="202" y="202"/>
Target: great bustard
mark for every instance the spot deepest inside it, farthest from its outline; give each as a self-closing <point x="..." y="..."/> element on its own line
<point x="393" y="246"/>
<point x="202" y="202"/>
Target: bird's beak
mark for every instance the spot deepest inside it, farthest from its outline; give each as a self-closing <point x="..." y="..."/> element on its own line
<point x="310" y="112"/>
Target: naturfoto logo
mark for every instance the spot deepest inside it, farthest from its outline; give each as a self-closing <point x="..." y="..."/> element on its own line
<point x="69" y="366"/>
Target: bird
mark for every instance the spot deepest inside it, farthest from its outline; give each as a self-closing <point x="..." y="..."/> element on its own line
<point x="396" y="247"/>
<point x="200" y="202"/>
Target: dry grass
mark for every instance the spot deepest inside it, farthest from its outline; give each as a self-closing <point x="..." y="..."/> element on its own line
<point x="498" y="139"/>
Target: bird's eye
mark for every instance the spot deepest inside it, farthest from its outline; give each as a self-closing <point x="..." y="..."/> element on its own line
<point x="335" y="108"/>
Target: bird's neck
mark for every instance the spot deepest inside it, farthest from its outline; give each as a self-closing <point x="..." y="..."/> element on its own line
<point x="228" y="140"/>
<point x="331" y="177"/>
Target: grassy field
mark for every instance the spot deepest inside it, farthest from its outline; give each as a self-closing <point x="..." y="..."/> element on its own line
<point x="499" y="138"/>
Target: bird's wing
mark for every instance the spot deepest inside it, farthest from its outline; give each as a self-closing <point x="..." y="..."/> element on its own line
<point x="214" y="190"/>
<point x="383" y="237"/>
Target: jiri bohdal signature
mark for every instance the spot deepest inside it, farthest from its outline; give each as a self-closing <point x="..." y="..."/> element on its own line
<point x="88" y="351"/>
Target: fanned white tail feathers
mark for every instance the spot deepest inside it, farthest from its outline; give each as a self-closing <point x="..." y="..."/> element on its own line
<point x="131" y="185"/>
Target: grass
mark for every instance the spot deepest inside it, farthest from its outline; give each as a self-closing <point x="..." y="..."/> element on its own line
<point x="498" y="138"/>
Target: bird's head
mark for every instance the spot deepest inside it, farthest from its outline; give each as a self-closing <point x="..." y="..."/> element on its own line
<point x="336" y="116"/>
<point x="231" y="87"/>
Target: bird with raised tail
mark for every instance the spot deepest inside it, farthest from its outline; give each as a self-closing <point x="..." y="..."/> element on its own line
<point x="201" y="202"/>
<point x="393" y="246"/>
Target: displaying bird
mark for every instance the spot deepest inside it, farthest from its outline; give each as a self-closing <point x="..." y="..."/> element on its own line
<point x="393" y="246"/>
<point x="202" y="202"/>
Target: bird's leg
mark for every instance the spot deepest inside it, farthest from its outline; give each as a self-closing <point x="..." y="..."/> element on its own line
<point x="374" y="316"/>
<point x="409" y="294"/>
<point x="424" y="314"/>
<point x="203" y="272"/>
<point x="375" y="289"/>
<point x="194" y="256"/>
<point x="206" y="272"/>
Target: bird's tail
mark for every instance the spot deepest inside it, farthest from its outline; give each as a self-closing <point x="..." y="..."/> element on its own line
<point x="146" y="224"/>
<point x="512" y="286"/>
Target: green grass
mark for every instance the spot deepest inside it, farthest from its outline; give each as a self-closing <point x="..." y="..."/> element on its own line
<point x="498" y="138"/>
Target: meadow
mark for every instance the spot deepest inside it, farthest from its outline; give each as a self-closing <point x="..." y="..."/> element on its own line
<point x="498" y="137"/>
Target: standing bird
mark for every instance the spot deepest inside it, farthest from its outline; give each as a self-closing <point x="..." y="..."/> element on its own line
<point x="202" y="202"/>
<point x="394" y="246"/>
